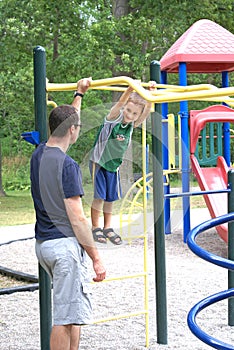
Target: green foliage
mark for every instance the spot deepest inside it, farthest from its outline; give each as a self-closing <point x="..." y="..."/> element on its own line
<point x="16" y="173"/>
<point x="83" y="38"/>
<point x="16" y="208"/>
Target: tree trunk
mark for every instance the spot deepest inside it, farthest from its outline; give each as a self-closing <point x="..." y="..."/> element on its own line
<point x="2" y="192"/>
<point x="122" y="8"/>
<point x="55" y="47"/>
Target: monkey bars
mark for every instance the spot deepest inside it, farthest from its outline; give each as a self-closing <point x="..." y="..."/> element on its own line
<point x="167" y="93"/>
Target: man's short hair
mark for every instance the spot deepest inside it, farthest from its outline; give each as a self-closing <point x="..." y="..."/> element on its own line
<point x="62" y="118"/>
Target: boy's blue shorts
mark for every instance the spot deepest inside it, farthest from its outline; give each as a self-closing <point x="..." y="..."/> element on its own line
<point x="106" y="183"/>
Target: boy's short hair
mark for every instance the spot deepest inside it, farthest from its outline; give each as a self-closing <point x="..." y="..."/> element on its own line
<point x="137" y="99"/>
<point x="141" y="102"/>
<point x="62" y="118"/>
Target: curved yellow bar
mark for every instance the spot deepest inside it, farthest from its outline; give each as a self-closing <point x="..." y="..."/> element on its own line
<point x="123" y="80"/>
<point x="101" y="84"/>
<point x="204" y="91"/>
<point x="106" y="84"/>
<point x="51" y="103"/>
<point x="176" y="88"/>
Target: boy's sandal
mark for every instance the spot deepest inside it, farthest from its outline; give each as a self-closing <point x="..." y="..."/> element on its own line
<point x="112" y="236"/>
<point x="98" y="235"/>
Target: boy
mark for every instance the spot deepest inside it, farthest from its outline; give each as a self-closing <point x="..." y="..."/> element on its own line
<point x="112" y="141"/>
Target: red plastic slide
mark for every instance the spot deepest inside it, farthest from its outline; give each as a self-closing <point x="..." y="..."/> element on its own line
<point x="211" y="178"/>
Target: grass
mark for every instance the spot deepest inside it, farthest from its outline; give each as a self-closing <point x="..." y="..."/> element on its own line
<point x="17" y="206"/>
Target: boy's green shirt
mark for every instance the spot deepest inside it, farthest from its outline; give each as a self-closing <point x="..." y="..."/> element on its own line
<point x="111" y="143"/>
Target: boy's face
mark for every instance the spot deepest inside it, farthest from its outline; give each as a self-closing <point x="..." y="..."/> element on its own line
<point x="131" y="112"/>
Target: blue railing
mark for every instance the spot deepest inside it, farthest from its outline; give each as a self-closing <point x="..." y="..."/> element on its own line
<point x="217" y="260"/>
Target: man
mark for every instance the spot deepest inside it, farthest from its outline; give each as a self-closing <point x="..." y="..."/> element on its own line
<point x="63" y="236"/>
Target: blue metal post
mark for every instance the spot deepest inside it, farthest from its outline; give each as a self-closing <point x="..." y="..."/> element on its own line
<point x="226" y="127"/>
<point x="165" y="153"/>
<point x="231" y="246"/>
<point x="185" y="151"/>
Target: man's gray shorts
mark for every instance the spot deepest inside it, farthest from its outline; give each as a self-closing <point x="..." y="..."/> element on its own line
<point x="66" y="263"/>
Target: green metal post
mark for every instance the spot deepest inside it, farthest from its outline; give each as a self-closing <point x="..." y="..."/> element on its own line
<point x="158" y="199"/>
<point x="231" y="246"/>
<point x="39" y="60"/>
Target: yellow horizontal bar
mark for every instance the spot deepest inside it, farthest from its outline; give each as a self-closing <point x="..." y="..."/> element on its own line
<point x="110" y="88"/>
<point x="171" y="171"/>
<point x="227" y="100"/>
<point x="118" y="317"/>
<point x="133" y="223"/>
<point x="134" y="237"/>
<point x="105" y="84"/>
<point x="122" y="80"/>
<point x="155" y="96"/>
<point x="194" y="95"/>
<point x="191" y="87"/>
<point x="165" y="88"/>
<point x="165" y="93"/>
<point x="123" y="277"/>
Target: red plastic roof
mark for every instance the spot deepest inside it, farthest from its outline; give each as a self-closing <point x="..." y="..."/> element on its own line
<point x="206" y="47"/>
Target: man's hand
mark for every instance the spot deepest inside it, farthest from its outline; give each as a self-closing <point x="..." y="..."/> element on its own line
<point x="83" y="85"/>
<point x="99" y="270"/>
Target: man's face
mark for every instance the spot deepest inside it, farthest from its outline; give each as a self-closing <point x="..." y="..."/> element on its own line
<point x="75" y="133"/>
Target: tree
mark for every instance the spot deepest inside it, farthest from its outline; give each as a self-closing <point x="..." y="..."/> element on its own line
<point x="100" y="38"/>
<point x="2" y="192"/>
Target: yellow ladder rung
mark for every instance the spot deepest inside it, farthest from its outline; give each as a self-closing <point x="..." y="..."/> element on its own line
<point x="131" y="238"/>
<point x="118" y="317"/>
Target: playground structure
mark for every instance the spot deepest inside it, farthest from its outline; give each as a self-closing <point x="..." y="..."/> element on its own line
<point x="211" y="178"/>
<point x="144" y="186"/>
<point x="195" y="52"/>
<point x="219" y="261"/>
<point x="164" y="94"/>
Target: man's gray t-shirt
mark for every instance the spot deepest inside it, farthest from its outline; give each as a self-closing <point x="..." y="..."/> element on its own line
<point x="54" y="177"/>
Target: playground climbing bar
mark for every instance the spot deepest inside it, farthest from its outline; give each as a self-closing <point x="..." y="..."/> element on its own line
<point x="185" y="151"/>
<point x="159" y="96"/>
<point x="41" y="126"/>
<point x="231" y="246"/>
<point x="226" y="126"/>
<point x="159" y="236"/>
<point x="219" y="261"/>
